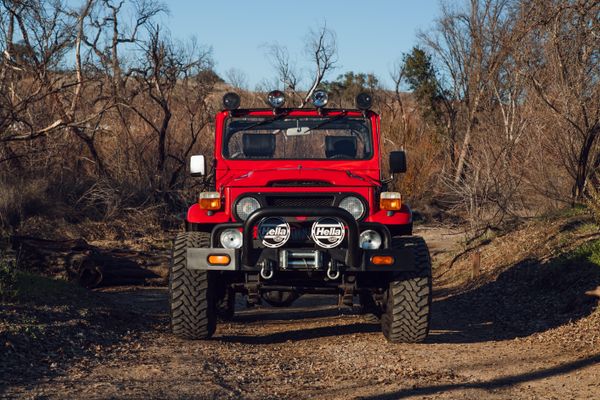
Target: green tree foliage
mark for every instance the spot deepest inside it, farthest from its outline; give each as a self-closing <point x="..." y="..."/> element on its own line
<point x="421" y="78"/>
<point x="344" y="89"/>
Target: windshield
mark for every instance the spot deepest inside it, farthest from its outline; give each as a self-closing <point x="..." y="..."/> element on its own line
<point x="283" y="137"/>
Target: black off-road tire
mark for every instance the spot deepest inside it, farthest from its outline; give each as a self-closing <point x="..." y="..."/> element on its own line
<point x="406" y="309"/>
<point x="191" y="292"/>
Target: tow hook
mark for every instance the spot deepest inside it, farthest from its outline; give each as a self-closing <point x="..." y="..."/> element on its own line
<point x="333" y="271"/>
<point x="266" y="272"/>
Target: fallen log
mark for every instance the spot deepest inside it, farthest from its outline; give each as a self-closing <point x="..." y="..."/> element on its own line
<point x="87" y="264"/>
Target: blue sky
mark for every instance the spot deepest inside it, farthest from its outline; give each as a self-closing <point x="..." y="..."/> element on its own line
<point x="371" y="35"/>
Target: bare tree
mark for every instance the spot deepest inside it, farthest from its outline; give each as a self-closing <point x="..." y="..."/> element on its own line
<point x="471" y="45"/>
<point x="321" y="48"/>
<point x="563" y="70"/>
<point x="237" y="78"/>
<point x="321" y="52"/>
<point x="285" y="68"/>
<point x="162" y="67"/>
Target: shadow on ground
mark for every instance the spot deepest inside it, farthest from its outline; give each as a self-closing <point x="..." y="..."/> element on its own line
<point x="530" y="297"/>
<point x="493" y="384"/>
<point x="42" y="335"/>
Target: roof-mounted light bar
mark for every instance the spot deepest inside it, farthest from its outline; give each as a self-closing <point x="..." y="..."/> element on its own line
<point x="276" y="99"/>
<point x="320" y="98"/>
<point x="231" y="101"/>
<point x="364" y="101"/>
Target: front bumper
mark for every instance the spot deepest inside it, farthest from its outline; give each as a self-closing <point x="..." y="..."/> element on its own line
<point x="347" y="258"/>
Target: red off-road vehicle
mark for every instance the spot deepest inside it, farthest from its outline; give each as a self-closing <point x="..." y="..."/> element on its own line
<point x="297" y="204"/>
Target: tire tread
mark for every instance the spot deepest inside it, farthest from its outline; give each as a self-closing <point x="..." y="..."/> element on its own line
<point x="193" y="314"/>
<point x="406" y="314"/>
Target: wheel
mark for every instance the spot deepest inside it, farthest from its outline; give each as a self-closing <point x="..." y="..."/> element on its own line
<point x="193" y="310"/>
<point x="278" y="298"/>
<point x="370" y="310"/>
<point x="407" y="302"/>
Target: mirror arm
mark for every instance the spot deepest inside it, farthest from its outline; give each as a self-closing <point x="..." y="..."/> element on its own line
<point x="208" y="179"/>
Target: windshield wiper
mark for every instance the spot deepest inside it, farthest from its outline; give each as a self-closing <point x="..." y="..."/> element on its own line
<point x="328" y="121"/>
<point x="263" y="122"/>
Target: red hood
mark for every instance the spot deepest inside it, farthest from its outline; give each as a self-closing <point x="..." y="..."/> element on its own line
<point x="269" y="177"/>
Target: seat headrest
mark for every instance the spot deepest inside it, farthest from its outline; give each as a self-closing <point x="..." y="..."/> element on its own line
<point x="258" y="144"/>
<point x="340" y="145"/>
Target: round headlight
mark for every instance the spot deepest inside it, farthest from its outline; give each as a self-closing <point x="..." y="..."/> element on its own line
<point x="276" y="98"/>
<point x="246" y="206"/>
<point x="354" y="206"/>
<point x="320" y="98"/>
<point x="231" y="239"/>
<point x="369" y="240"/>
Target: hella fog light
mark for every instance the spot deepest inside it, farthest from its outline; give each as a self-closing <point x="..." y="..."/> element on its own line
<point x="320" y="98"/>
<point x="246" y="206"/>
<point x="276" y="99"/>
<point x="231" y="239"/>
<point x="369" y="240"/>
<point x="210" y="200"/>
<point x="353" y="205"/>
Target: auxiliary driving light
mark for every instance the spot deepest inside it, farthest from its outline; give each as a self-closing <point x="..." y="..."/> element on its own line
<point x="210" y="200"/>
<point x="364" y="101"/>
<point x="231" y="101"/>
<point x="369" y="240"/>
<point x="390" y="201"/>
<point x="320" y="98"/>
<point x="231" y="239"/>
<point x="276" y="99"/>
<point x="353" y="205"/>
<point x="246" y="206"/>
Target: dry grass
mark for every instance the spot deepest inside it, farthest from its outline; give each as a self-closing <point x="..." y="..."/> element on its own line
<point x="593" y="202"/>
<point x="21" y="198"/>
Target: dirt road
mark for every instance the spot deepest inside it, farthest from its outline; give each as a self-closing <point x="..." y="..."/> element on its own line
<point x="315" y="350"/>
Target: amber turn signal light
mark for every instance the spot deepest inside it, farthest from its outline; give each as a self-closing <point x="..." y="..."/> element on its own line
<point x="218" y="259"/>
<point x="382" y="260"/>
<point x="390" y="201"/>
<point x="210" y="200"/>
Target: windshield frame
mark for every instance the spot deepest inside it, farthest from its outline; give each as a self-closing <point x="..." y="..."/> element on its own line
<point x="225" y="137"/>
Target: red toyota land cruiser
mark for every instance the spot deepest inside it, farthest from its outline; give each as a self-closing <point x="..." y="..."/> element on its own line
<point x="297" y="204"/>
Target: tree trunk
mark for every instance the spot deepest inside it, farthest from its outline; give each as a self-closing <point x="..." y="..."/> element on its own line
<point x="582" y="164"/>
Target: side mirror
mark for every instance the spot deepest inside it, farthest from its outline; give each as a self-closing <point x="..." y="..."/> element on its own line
<point x="197" y="165"/>
<point x="397" y="162"/>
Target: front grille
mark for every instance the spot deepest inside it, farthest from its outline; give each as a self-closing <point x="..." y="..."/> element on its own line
<point x="299" y="183"/>
<point x="293" y="201"/>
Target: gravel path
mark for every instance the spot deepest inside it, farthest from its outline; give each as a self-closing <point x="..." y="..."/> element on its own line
<point x="313" y="350"/>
